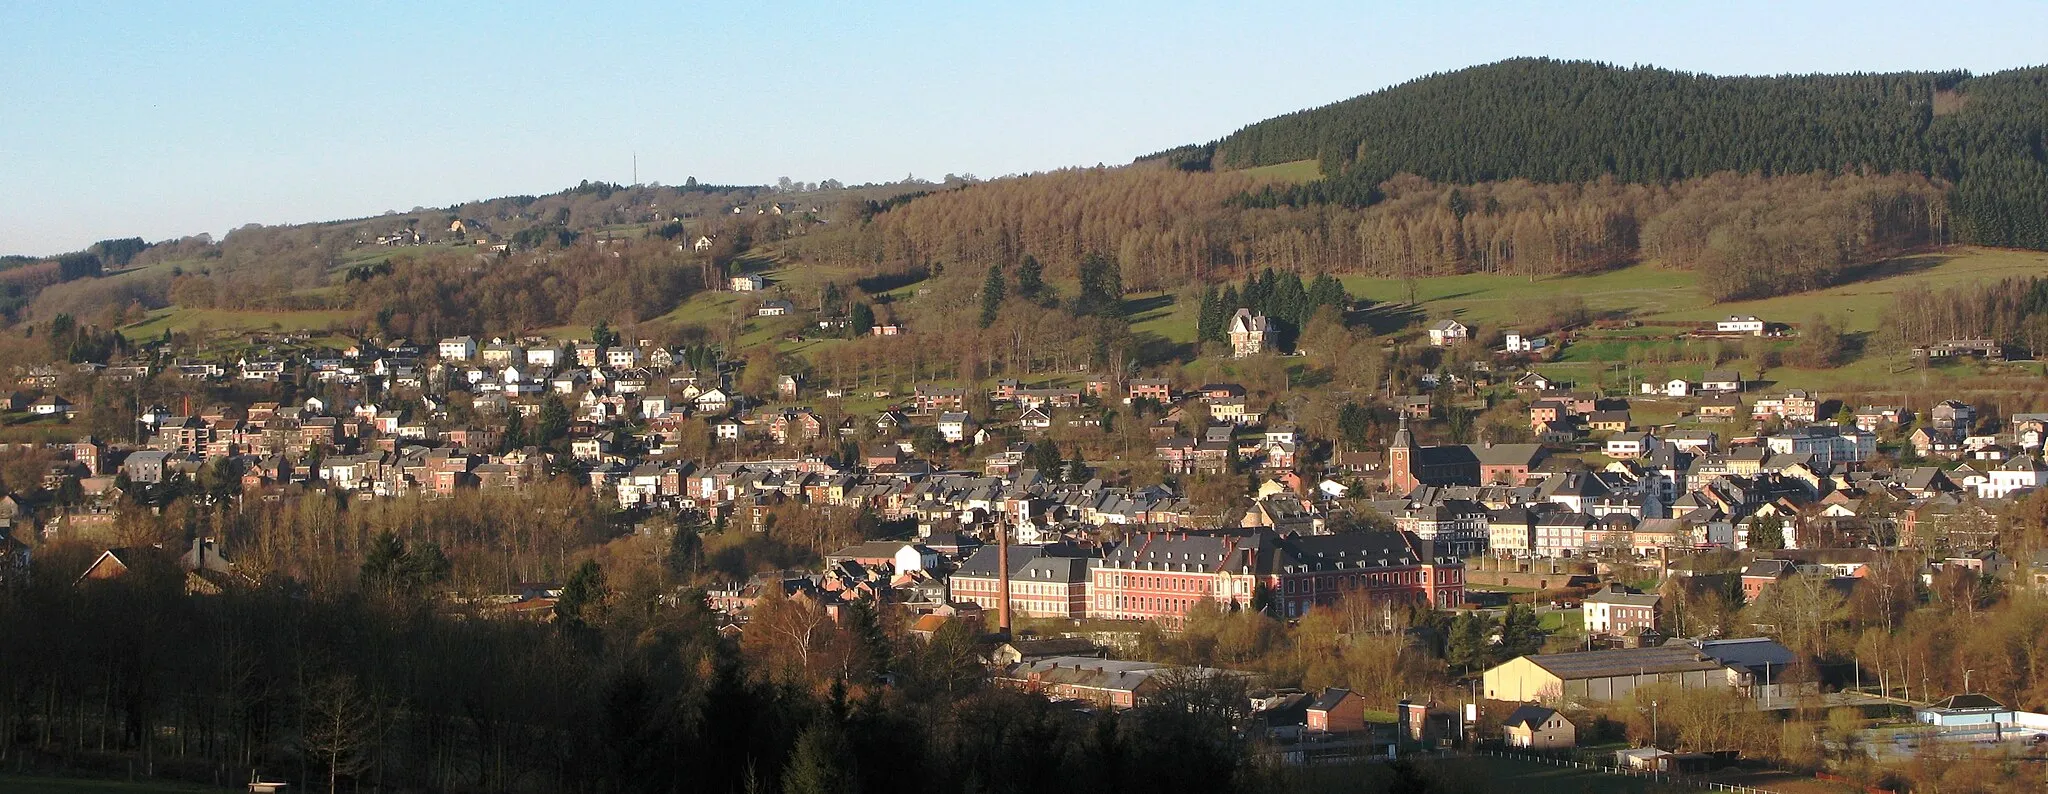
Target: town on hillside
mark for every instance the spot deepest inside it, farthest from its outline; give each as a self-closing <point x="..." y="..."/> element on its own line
<point x="1585" y="557"/>
<point x="1541" y="425"/>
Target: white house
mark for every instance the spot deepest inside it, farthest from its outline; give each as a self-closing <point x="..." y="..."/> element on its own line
<point x="1827" y="444"/>
<point x="1631" y="445"/>
<point x="727" y="430"/>
<point x="458" y="348"/>
<point x="774" y="308"/>
<point x="544" y="357"/>
<point x="1517" y="343"/>
<point x="915" y="557"/>
<point x="703" y="243"/>
<point x="1677" y="387"/>
<point x="2020" y="473"/>
<point x="954" y="426"/>
<point x="52" y="405"/>
<point x="747" y="283"/>
<point x="654" y="405"/>
<point x="1447" y="332"/>
<point x="713" y="401"/>
<point x="1720" y="380"/>
<point x="1740" y="324"/>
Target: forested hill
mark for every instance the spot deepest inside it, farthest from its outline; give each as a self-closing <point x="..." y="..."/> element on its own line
<point x="1563" y="122"/>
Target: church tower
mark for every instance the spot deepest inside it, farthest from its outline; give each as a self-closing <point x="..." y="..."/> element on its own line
<point x="1401" y="460"/>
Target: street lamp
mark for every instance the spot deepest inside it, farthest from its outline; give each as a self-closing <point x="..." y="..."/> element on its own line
<point x="1966" y="680"/>
<point x="1653" y="722"/>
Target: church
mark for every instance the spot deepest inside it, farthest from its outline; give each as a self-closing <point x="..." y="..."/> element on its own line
<point x="1409" y="465"/>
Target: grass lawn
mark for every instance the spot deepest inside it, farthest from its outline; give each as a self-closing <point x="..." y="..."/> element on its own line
<point x="1158" y="313"/>
<point x="18" y="784"/>
<point x="1558" y="620"/>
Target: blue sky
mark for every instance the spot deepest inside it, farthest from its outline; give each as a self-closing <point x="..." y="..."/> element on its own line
<point x="158" y="120"/>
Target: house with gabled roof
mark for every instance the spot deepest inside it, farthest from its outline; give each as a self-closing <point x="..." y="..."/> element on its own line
<point x="1250" y="334"/>
<point x="1447" y="332"/>
<point x="1534" y="727"/>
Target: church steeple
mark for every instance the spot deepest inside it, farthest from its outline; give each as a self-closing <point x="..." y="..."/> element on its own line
<point x="1401" y="460"/>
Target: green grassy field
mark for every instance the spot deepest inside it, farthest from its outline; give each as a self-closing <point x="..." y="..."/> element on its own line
<point x="179" y="319"/>
<point x="1861" y="303"/>
<point x="1485" y="298"/>
<point x="1655" y="293"/>
<point x="1159" y="314"/>
<point x="1561" y="619"/>
<point x="1298" y="171"/>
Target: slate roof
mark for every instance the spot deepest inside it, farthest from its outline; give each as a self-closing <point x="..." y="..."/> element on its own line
<point x="1754" y="654"/>
<point x="1967" y="703"/>
<point x="1328" y="699"/>
<point x="1625" y="661"/>
<point x="1772" y="569"/>
<point x="1529" y="715"/>
<point x="1509" y="454"/>
<point x="1616" y="595"/>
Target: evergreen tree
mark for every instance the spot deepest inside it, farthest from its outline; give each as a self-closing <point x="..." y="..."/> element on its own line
<point x="862" y="321"/>
<point x="583" y="597"/>
<point x="820" y="763"/>
<point x="602" y="334"/>
<point x="685" y="551"/>
<point x="991" y="295"/>
<point x="829" y="302"/>
<point x="1211" y="324"/>
<point x="1767" y="533"/>
<point x="1468" y="647"/>
<point x="1521" y="632"/>
<point x="1045" y="457"/>
<point x="1030" y="279"/>
<point x="871" y="653"/>
<point x="1354" y="422"/>
<point x="391" y="568"/>
<point x="554" y="420"/>
<point x="515" y="432"/>
<point x="1102" y="287"/>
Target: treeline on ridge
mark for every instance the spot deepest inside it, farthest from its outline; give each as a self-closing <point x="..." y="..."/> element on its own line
<point x="1566" y="122"/>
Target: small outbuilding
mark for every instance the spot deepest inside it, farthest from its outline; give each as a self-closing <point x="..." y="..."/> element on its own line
<point x="1965" y="711"/>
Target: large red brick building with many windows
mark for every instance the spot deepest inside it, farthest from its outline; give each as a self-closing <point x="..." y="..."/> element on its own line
<point x="1162" y="575"/>
<point x="1045" y="581"/>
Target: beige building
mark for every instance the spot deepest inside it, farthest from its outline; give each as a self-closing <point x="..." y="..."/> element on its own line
<point x="1534" y="727"/>
<point x="1758" y="667"/>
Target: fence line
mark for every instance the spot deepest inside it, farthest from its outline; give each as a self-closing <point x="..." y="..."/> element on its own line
<point x="1652" y="775"/>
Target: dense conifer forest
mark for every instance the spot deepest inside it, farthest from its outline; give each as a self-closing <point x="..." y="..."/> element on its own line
<point x="1562" y="122"/>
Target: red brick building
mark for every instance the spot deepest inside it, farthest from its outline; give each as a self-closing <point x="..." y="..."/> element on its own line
<point x="1162" y="575"/>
